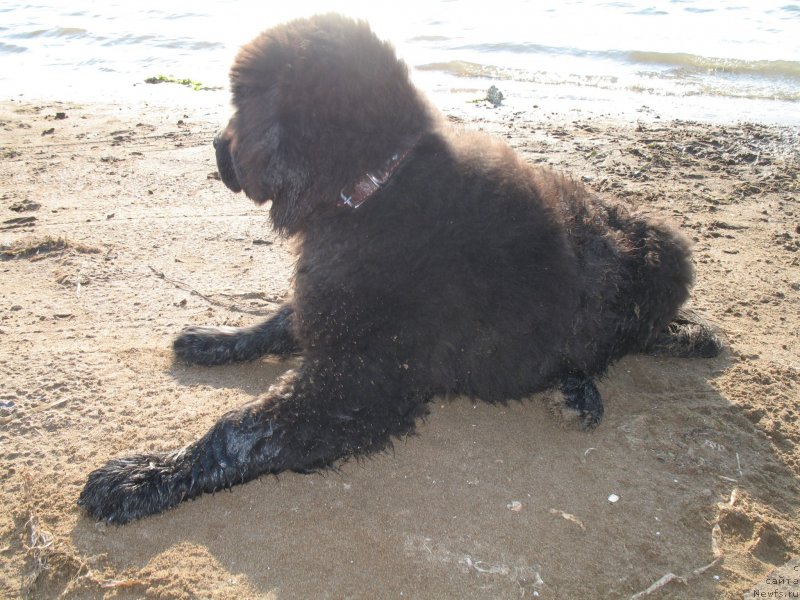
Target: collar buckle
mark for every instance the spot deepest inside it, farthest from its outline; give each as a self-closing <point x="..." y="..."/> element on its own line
<point x="369" y="183"/>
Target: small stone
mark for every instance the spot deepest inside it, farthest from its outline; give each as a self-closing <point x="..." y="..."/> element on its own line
<point x="494" y="96"/>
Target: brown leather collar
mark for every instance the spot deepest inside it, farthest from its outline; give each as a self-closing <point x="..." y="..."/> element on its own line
<point x="369" y="183"/>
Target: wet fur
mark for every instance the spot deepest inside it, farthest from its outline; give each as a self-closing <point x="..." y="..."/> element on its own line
<point x="470" y="273"/>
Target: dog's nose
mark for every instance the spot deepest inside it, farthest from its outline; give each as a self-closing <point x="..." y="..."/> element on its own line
<point x="227" y="170"/>
<point x="218" y="139"/>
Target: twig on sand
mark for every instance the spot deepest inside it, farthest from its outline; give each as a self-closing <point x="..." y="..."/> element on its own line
<point x="187" y="288"/>
<point x="54" y="404"/>
<point x="669" y="577"/>
<point x="711" y="565"/>
<point x="39" y="541"/>
<point x="716" y="540"/>
<point x="121" y="583"/>
<point x="567" y="516"/>
<point x="49" y="559"/>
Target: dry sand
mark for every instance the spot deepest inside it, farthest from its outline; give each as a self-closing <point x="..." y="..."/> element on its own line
<point x="116" y="234"/>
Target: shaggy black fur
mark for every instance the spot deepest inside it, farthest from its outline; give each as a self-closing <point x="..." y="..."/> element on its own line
<point x="221" y="345"/>
<point x="470" y="272"/>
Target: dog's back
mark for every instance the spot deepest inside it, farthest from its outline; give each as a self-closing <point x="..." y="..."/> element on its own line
<point x="495" y="276"/>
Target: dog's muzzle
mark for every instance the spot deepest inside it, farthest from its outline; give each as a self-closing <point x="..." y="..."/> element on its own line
<point x="227" y="171"/>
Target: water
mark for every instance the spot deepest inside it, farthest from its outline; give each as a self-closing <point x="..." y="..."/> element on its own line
<point x="693" y="59"/>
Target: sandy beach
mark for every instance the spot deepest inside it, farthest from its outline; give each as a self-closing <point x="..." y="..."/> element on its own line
<point x="115" y="233"/>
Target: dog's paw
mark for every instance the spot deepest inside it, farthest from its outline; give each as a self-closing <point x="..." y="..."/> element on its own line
<point x="129" y="488"/>
<point x="207" y="345"/>
<point x="581" y="396"/>
<point x="572" y="418"/>
<point x="591" y="418"/>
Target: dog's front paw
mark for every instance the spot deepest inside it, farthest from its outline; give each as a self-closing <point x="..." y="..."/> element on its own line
<point x="129" y="488"/>
<point x="207" y="345"/>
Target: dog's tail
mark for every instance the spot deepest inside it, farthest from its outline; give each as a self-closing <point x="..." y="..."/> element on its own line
<point x="661" y="273"/>
<point x="688" y="335"/>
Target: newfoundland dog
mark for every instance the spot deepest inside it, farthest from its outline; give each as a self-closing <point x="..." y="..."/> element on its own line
<point x="430" y="261"/>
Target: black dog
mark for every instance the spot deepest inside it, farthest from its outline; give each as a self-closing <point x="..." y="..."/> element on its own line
<point x="430" y="262"/>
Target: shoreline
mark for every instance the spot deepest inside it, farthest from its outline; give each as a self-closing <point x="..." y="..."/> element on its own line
<point x="499" y="501"/>
<point x="452" y="94"/>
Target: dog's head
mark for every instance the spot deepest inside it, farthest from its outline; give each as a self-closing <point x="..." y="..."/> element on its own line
<point x="318" y="102"/>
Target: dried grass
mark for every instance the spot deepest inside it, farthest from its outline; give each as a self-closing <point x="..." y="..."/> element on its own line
<point x="38" y="248"/>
